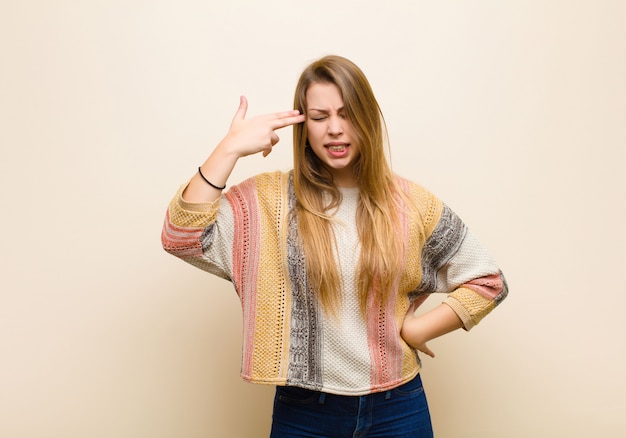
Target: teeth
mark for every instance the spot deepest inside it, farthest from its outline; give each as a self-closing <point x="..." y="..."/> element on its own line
<point x="337" y="148"/>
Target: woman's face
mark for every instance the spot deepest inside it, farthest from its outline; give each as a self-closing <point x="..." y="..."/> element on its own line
<point x="330" y="133"/>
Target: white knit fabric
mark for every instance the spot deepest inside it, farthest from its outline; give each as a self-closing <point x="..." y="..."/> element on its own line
<point x="346" y="362"/>
<point x="471" y="255"/>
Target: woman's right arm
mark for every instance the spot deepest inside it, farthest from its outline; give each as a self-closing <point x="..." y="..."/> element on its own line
<point x="245" y="137"/>
<point x="189" y="230"/>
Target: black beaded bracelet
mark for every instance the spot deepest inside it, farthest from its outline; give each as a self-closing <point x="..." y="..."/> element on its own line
<point x="209" y="182"/>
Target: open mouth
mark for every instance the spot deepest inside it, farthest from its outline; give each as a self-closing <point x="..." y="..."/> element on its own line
<point x="337" y="148"/>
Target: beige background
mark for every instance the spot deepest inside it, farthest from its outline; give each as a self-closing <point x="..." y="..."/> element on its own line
<point x="514" y="112"/>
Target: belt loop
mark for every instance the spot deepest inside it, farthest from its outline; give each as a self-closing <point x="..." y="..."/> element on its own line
<point x="322" y="398"/>
<point x="387" y="395"/>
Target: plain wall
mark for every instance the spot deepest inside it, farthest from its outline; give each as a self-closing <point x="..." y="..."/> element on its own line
<point x="513" y="112"/>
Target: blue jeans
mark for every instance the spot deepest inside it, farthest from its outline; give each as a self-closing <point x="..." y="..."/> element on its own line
<point x="398" y="413"/>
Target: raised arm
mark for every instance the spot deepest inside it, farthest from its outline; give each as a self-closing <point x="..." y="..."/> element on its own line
<point x="245" y="137"/>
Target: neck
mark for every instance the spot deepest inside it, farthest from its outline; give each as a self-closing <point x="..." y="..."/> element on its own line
<point x="344" y="178"/>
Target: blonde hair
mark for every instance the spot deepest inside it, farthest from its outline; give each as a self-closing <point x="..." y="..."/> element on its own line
<point x="377" y="217"/>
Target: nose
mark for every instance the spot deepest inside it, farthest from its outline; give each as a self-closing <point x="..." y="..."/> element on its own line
<point x="335" y="126"/>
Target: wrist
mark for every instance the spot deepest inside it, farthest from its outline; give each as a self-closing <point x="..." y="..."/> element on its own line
<point x="412" y="333"/>
<point x="206" y="180"/>
<point x="227" y="149"/>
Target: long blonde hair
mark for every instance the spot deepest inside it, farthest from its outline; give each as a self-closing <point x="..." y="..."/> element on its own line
<point x="377" y="217"/>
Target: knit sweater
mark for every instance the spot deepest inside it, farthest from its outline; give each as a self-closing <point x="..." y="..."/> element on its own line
<point x="250" y="238"/>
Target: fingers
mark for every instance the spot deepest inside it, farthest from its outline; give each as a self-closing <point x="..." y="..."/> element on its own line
<point x="277" y="120"/>
<point x="424" y="349"/>
<point x="273" y="140"/>
<point x="287" y="114"/>
<point x="288" y="120"/>
<point x="283" y="119"/>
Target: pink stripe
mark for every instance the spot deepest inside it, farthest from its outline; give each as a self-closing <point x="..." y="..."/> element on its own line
<point x="373" y="322"/>
<point x="489" y="286"/>
<point x="386" y="352"/>
<point x="181" y="241"/>
<point x="246" y="247"/>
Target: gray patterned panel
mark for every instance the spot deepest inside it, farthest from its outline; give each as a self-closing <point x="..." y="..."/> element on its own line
<point x="440" y="248"/>
<point x="304" y="361"/>
<point x="206" y="239"/>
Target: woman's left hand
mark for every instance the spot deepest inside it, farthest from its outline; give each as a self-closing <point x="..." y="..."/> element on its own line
<point x="418" y="330"/>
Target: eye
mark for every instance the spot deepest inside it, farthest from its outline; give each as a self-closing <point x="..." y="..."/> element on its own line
<point x="318" y="118"/>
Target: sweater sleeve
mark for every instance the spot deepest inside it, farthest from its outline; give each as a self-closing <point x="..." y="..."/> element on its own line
<point x="454" y="262"/>
<point x="201" y="234"/>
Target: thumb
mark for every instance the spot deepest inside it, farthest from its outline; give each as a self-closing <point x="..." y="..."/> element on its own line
<point x="243" y="108"/>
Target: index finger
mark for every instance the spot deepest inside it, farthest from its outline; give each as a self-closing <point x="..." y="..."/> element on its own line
<point x="287" y="118"/>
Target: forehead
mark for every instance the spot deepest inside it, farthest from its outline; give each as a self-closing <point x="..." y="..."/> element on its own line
<point x="323" y="96"/>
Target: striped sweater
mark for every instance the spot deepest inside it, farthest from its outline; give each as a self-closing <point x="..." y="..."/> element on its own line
<point x="249" y="238"/>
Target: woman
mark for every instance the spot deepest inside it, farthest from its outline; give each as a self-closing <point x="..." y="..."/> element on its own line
<point x="331" y="261"/>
